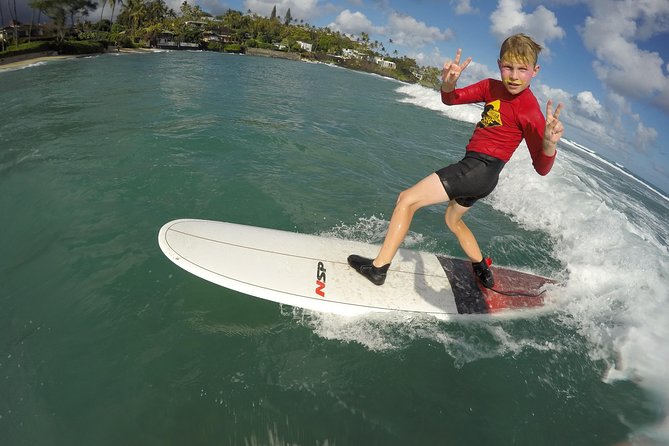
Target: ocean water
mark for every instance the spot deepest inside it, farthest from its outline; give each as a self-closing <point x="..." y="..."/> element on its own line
<point x="104" y="341"/>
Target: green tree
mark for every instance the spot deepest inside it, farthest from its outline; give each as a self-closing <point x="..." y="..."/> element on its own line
<point x="232" y="19"/>
<point x="59" y="10"/>
<point x="132" y="15"/>
<point x="156" y="11"/>
<point x="113" y="4"/>
<point x="288" y="18"/>
<point x="273" y="14"/>
<point x="189" y="12"/>
<point x="102" y="11"/>
<point x="79" y="8"/>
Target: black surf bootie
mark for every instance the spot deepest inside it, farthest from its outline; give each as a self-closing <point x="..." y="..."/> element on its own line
<point x="483" y="273"/>
<point x="365" y="267"/>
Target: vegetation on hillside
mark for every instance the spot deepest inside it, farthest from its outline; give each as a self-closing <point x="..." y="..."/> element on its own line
<point x="147" y="23"/>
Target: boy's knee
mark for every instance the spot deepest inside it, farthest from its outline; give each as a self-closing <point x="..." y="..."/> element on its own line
<point x="404" y="199"/>
<point x="453" y="221"/>
<point x="452" y="224"/>
<point x="406" y="202"/>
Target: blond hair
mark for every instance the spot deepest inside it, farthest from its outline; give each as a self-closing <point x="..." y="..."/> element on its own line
<point x="520" y="48"/>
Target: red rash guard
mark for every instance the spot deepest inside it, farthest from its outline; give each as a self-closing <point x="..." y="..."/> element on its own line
<point x="505" y="121"/>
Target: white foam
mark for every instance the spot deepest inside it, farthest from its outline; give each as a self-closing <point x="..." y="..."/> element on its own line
<point x="394" y="331"/>
<point x="428" y="98"/>
<point x="616" y="166"/>
<point x="22" y="67"/>
<point x="616" y="294"/>
<point x="615" y="255"/>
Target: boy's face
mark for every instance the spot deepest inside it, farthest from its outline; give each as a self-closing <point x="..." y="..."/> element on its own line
<point x="516" y="75"/>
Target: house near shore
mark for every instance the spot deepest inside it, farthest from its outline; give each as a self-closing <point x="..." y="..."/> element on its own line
<point x="349" y="53"/>
<point x="385" y="63"/>
<point x="212" y="36"/>
<point x="305" y="46"/>
<point x="20" y="30"/>
<point x="196" y="24"/>
<point x="166" y="41"/>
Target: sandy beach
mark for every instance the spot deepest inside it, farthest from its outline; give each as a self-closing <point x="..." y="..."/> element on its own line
<point x="25" y="60"/>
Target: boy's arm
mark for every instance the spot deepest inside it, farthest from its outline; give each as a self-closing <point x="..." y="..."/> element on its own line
<point x="467" y="95"/>
<point x="542" y="136"/>
<point x="452" y="70"/>
<point x="449" y="77"/>
<point x="553" y="130"/>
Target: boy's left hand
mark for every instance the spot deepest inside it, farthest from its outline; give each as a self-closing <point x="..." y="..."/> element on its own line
<point x="554" y="129"/>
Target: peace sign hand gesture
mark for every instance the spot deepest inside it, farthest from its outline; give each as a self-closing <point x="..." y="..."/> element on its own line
<point x="452" y="70"/>
<point x="554" y="129"/>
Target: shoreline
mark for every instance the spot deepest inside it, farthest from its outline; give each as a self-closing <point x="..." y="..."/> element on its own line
<point x="26" y="60"/>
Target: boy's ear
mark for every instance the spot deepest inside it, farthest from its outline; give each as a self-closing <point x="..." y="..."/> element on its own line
<point x="536" y="70"/>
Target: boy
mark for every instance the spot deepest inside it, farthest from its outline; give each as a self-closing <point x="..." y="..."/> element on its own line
<point x="511" y="113"/>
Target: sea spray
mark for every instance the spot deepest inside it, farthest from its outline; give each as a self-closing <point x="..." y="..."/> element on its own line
<point x="614" y="258"/>
<point x="615" y="263"/>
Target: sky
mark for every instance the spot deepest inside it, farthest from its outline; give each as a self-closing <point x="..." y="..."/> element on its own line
<point x="607" y="61"/>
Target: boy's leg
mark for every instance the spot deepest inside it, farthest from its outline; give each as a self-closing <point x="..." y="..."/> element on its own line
<point x="470" y="246"/>
<point x="428" y="191"/>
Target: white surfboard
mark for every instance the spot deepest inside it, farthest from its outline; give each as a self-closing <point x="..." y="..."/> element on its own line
<point x="311" y="272"/>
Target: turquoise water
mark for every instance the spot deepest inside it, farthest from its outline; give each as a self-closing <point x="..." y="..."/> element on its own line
<point x="104" y="341"/>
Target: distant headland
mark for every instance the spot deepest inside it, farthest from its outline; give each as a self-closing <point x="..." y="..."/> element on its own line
<point x="151" y="24"/>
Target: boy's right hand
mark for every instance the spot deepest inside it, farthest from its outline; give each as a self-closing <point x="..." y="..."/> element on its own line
<point x="452" y="70"/>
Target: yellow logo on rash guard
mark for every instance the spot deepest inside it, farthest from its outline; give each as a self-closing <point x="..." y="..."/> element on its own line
<point x="490" y="116"/>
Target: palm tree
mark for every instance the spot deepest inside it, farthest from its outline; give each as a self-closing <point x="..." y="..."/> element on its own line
<point x="157" y="10"/>
<point x="54" y="10"/>
<point x="78" y="7"/>
<point x="15" y="19"/>
<point x="136" y="10"/>
<point x="2" y="23"/>
<point x="113" y="5"/>
<point x="32" y="20"/>
<point x="104" y="2"/>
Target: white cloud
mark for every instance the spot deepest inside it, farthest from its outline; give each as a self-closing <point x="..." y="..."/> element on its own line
<point x="611" y="33"/>
<point x="645" y="136"/>
<point x="619" y="102"/>
<point x="300" y="9"/>
<point x="402" y="29"/>
<point x="475" y="72"/>
<point x="406" y="30"/>
<point x="545" y="92"/>
<point x="589" y="105"/>
<point x="584" y="114"/>
<point x="354" y="23"/>
<point x="431" y="59"/>
<point x="541" y="25"/>
<point x="463" y="7"/>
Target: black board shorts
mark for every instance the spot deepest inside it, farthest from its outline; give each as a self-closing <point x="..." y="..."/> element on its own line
<point x="472" y="178"/>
